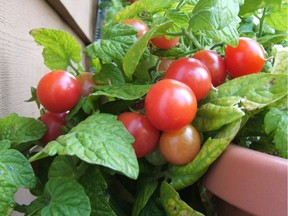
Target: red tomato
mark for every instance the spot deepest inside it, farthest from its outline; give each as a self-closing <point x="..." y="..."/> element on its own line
<point x="58" y="91"/>
<point x="138" y="24"/>
<point x="181" y="146"/>
<point x="247" y="58"/>
<point x="170" y="105"/>
<point x="215" y="64"/>
<point x="54" y="122"/>
<point x="145" y="134"/>
<point x="86" y="82"/>
<point x="193" y="73"/>
<point x="163" y="43"/>
<point x="164" y="64"/>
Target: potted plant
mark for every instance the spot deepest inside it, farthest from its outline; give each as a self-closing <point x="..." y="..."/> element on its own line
<point x="106" y="145"/>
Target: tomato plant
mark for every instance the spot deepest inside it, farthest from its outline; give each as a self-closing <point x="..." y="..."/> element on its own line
<point x="181" y="146"/>
<point x="163" y="102"/>
<point x="215" y="64"/>
<point x="164" y="43"/>
<point x="247" y="58"/>
<point x="54" y="123"/>
<point x="86" y="82"/>
<point x="138" y="24"/>
<point x="58" y="91"/>
<point x="193" y="73"/>
<point x="145" y="134"/>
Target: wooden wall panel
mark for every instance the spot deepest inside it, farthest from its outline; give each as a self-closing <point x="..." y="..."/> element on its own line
<point x="21" y="62"/>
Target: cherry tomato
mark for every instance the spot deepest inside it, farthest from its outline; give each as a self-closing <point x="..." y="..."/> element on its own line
<point x="145" y="134"/>
<point x="163" y="43"/>
<point x="181" y="146"/>
<point x="215" y="64"/>
<point x="170" y="105"/>
<point x="247" y="58"/>
<point x="54" y="122"/>
<point x="138" y="24"/>
<point x="164" y="64"/>
<point x="58" y="91"/>
<point x="86" y="82"/>
<point x="193" y="73"/>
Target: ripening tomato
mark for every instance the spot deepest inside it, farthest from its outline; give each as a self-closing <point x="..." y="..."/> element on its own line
<point x="164" y="64"/>
<point x="164" y="43"/>
<point x="170" y="105"/>
<point x="193" y="73"/>
<point x="247" y="58"/>
<point x="58" y="91"/>
<point x="86" y="82"/>
<point x="181" y="146"/>
<point x="145" y="134"/>
<point x="138" y="24"/>
<point x="215" y="64"/>
<point x="54" y="123"/>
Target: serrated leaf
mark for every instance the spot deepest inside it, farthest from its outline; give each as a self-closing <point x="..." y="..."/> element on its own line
<point x="100" y="139"/>
<point x="20" y="171"/>
<point x="257" y="90"/>
<point x="183" y="176"/>
<point x="212" y="116"/>
<point x="149" y="6"/>
<point x="114" y="44"/>
<point x="60" y="48"/>
<point x="7" y="191"/>
<point x="96" y="189"/>
<point x="125" y="92"/>
<point x="109" y="74"/>
<point x="143" y="196"/>
<point x="19" y="129"/>
<point x="276" y="123"/>
<point x="62" y="196"/>
<point x="173" y="204"/>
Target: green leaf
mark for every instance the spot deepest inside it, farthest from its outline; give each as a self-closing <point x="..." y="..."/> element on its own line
<point x="99" y="139"/>
<point x="63" y="166"/>
<point x="280" y="62"/>
<point x="250" y="6"/>
<point x="276" y="123"/>
<point x="109" y="74"/>
<point x="7" y="191"/>
<point x="62" y="196"/>
<point x="96" y="189"/>
<point x="5" y="144"/>
<point x="20" y="171"/>
<point x="212" y="116"/>
<point x="173" y="204"/>
<point x="183" y="176"/>
<point x="60" y="48"/>
<point x="125" y="92"/>
<point x="144" y="194"/>
<point x="277" y="18"/>
<point x="19" y="129"/>
<point x="115" y="42"/>
<point x="180" y="20"/>
<point x="149" y="6"/>
<point x="136" y="51"/>
<point x="256" y="90"/>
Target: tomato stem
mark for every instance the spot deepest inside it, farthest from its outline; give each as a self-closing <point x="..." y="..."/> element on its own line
<point x="20" y="208"/>
<point x="81" y="169"/>
<point x="262" y="23"/>
<point x="191" y="37"/>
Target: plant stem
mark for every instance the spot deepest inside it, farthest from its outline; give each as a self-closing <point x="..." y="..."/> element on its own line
<point x="194" y="40"/>
<point x="180" y="4"/>
<point x="262" y="23"/>
<point x="81" y="169"/>
<point x="75" y="69"/>
<point x="20" y="208"/>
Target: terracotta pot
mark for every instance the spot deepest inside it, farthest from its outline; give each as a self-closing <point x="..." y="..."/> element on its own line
<point x="254" y="182"/>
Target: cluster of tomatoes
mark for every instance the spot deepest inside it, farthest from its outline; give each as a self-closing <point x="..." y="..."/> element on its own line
<point x="170" y="105"/>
